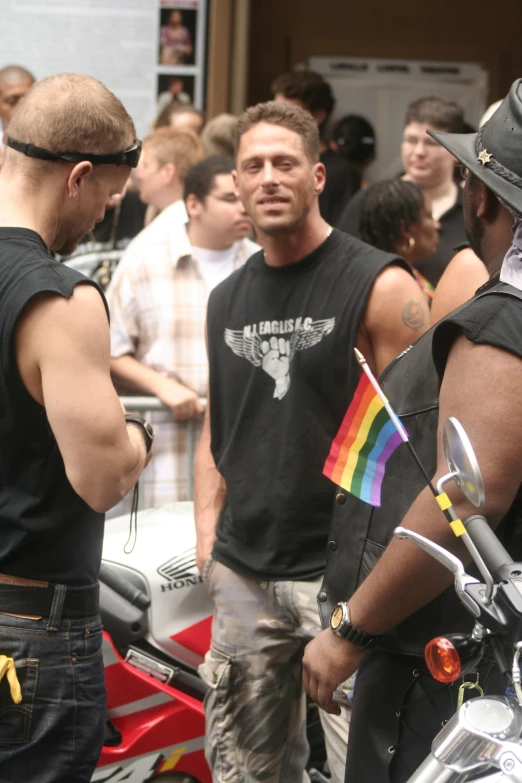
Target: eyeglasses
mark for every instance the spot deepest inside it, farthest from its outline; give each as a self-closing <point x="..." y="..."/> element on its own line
<point x="427" y="143"/>
<point x="228" y="198"/>
<point x="128" y="157"/>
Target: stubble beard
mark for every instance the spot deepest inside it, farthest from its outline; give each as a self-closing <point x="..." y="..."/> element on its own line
<point x="474" y="233"/>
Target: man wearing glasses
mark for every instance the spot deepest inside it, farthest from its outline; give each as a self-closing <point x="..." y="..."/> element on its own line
<point x="158" y="299"/>
<point x="67" y="452"/>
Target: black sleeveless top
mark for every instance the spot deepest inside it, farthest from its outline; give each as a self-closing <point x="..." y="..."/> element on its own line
<point x="47" y="531"/>
<point x="282" y="373"/>
<point x="360" y="533"/>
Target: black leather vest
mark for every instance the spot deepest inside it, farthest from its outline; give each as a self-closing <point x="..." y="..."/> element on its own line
<point x="360" y="533"/>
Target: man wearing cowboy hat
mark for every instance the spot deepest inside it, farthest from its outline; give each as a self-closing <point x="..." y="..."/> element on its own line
<point x="394" y="597"/>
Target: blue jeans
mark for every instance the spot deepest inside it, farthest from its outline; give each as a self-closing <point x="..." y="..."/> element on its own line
<point x="55" y="734"/>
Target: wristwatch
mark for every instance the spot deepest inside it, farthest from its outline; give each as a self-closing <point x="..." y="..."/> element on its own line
<point x="139" y="421"/>
<point x="341" y="626"/>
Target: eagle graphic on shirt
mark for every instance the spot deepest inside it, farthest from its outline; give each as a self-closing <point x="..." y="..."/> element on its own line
<point x="272" y="345"/>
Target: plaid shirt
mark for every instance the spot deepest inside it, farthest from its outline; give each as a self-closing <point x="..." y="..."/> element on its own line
<point x="158" y="303"/>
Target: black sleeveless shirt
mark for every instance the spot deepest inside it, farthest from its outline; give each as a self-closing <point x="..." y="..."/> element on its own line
<point x="47" y="531"/>
<point x="282" y="374"/>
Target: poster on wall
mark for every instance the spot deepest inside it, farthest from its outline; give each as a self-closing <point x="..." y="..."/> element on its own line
<point x="181" y="37"/>
<point x="130" y="45"/>
<point x="177" y="36"/>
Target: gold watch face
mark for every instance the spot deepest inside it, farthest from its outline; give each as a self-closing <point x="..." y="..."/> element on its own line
<point x="337" y="617"/>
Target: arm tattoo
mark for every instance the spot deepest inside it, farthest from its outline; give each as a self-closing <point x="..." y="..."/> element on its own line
<point x="413" y="315"/>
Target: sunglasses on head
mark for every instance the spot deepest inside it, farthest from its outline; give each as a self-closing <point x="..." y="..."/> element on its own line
<point x="128" y="157"/>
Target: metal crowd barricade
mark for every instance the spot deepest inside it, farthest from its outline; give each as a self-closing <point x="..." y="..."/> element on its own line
<point x="142" y="404"/>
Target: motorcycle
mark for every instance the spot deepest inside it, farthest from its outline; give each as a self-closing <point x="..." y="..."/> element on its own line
<point x="157" y="618"/>
<point x="157" y="614"/>
<point x="482" y="741"/>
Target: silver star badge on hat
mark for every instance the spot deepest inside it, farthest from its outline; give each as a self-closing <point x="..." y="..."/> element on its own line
<point x="484" y="157"/>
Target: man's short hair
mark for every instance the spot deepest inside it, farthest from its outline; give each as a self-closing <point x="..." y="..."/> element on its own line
<point x="308" y="87"/>
<point x="286" y="115"/>
<point x="202" y="177"/>
<point x="218" y="135"/>
<point x="72" y="113"/>
<point x="443" y="115"/>
<point x="15" y="73"/>
<point x="163" y="118"/>
<point x="182" y="147"/>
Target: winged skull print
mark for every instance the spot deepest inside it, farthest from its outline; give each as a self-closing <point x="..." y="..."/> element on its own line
<point x="274" y="354"/>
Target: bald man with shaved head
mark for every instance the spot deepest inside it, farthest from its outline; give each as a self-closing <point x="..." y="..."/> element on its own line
<point x="67" y="450"/>
<point x="15" y="81"/>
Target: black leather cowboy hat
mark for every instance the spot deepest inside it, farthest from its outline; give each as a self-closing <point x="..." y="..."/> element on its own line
<point x="494" y="154"/>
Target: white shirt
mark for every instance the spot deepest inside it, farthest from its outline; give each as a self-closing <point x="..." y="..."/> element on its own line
<point x="160" y="229"/>
<point x="215" y="265"/>
<point x="158" y="302"/>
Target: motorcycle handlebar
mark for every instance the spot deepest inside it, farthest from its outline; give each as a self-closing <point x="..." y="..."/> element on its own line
<point x="124" y="587"/>
<point x="493" y="553"/>
<point x="432" y="771"/>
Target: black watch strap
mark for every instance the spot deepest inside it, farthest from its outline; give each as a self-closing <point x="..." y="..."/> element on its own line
<point x="341" y="626"/>
<point x="147" y="431"/>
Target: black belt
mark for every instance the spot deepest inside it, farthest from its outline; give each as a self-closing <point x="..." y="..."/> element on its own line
<point x="79" y="602"/>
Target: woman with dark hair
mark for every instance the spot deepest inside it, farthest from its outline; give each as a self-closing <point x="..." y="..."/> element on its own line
<point x="432" y="168"/>
<point x="353" y="137"/>
<point x="396" y="217"/>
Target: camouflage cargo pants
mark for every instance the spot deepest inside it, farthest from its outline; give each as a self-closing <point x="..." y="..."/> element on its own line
<point x="255" y="707"/>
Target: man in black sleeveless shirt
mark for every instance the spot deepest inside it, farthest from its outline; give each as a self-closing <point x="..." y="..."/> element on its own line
<point x="66" y="452"/>
<point x="474" y="357"/>
<point x="281" y="334"/>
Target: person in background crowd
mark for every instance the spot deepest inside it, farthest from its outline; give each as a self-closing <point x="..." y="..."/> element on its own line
<point x="181" y="116"/>
<point x="173" y="94"/>
<point x="15" y="81"/>
<point x="430" y="166"/>
<point x="67" y="453"/>
<point x="353" y="137"/>
<point x="158" y="300"/>
<point x="311" y="92"/>
<point x="166" y="157"/>
<point x="175" y="41"/>
<point x="397" y="596"/>
<point x="396" y="217"/>
<point x="100" y="250"/>
<point x="218" y="135"/>
<point x="465" y="273"/>
<point x="281" y="332"/>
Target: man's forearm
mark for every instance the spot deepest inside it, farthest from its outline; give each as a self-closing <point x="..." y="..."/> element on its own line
<point x="406" y="578"/>
<point x="135" y="374"/>
<point x="209" y="494"/>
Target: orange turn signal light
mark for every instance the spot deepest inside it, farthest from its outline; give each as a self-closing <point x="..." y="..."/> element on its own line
<point x="443" y="660"/>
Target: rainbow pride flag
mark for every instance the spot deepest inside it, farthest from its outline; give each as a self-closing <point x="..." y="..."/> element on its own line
<point x="365" y="441"/>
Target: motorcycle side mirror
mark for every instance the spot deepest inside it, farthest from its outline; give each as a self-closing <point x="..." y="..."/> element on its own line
<point x="462" y="462"/>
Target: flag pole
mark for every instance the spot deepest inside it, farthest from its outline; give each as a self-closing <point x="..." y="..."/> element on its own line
<point x="393" y="416"/>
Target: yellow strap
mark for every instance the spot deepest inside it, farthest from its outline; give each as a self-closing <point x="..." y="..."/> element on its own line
<point x="7" y="666"/>
<point x="457" y="527"/>
<point x="443" y="501"/>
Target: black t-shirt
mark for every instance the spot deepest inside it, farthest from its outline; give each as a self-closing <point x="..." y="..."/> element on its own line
<point x="48" y="531"/>
<point x="452" y="234"/>
<point x="282" y="374"/>
<point x="342" y="181"/>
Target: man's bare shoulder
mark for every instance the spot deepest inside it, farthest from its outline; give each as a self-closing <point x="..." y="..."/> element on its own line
<point x="393" y="279"/>
<point x="49" y="310"/>
<point x="396" y="303"/>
